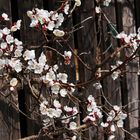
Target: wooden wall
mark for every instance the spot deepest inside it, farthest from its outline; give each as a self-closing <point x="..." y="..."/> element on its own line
<point x="92" y="42"/>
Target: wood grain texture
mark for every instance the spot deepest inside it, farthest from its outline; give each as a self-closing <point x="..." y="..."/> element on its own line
<point x="9" y="116"/>
<point x="30" y="37"/>
<point x="89" y="47"/>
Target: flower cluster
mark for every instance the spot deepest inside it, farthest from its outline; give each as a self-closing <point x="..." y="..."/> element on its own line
<point x="131" y="41"/>
<point x="15" y="59"/>
<point x="95" y="112"/>
<point x="116" y="73"/>
<point x="67" y="57"/>
<point x="106" y="2"/>
<point x="66" y="114"/>
<point x="48" y="20"/>
<point x="51" y="112"/>
<point x="10" y="48"/>
<point x="100" y="3"/>
<point x="115" y="118"/>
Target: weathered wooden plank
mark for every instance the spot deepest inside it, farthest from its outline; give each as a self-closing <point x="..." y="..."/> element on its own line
<point x="128" y="19"/>
<point x="112" y="88"/>
<point x="9" y="116"/>
<point x="137" y="20"/>
<point x="86" y="43"/>
<point x="30" y="37"/>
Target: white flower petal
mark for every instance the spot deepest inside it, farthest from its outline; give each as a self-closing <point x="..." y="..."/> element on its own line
<point x="112" y="128"/>
<point x="72" y="125"/>
<point x="13" y="82"/>
<point x="56" y="104"/>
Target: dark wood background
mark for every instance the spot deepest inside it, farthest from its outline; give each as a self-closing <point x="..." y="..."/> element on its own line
<point x="124" y="15"/>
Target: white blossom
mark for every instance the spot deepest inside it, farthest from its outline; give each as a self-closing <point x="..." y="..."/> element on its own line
<point x="42" y="59"/>
<point x="77" y="2"/>
<point x="116" y="108"/>
<point x="51" y="25"/>
<point x="58" y="113"/>
<point x="12" y="88"/>
<point x="120" y="123"/>
<point x="67" y="54"/>
<point x="50" y="76"/>
<point x="51" y="112"/>
<point x="56" y="104"/>
<point x="41" y="14"/>
<point x="72" y="125"/>
<point x="16" y="65"/>
<point x="34" y="23"/>
<point x="54" y="16"/>
<point x="112" y="128"/>
<point x="109" y="118"/>
<point x="73" y="138"/>
<point x="13" y="82"/>
<point x="97" y="9"/>
<point x="55" y="88"/>
<point x="118" y="62"/>
<point x="16" y="26"/>
<point x="74" y="111"/>
<point x="97" y="86"/>
<point x="112" y="113"/>
<point x="91" y="98"/>
<point x="55" y="67"/>
<point x="46" y="121"/>
<point x="3" y="45"/>
<point x="5" y="16"/>
<point x="29" y="54"/>
<point x="89" y="118"/>
<point x="124" y="36"/>
<point x="115" y="75"/>
<point x="30" y="14"/>
<point x="111" y="137"/>
<point x="62" y="77"/>
<point x="106" y="2"/>
<point x="18" y="51"/>
<point x="96" y="113"/>
<point x="67" y="109"/>
<point x="1" y="34"/>
<point x="121" y="35"/>
<point x="104" y="124"/>
<point x="71" y="89"/>
<point x="122" y="115"/>
<point x="58" y="33"/>
<point x="60" y="20"/>
<point x="65" y="119"/>
<point x="38" y="68"/>
<point x="66" y="9"/>
<point x="17" y="42"/>
<point x="9" y="39"/>
<point x="63" y="92"/>
<point x="6" y="31"/>
<point x="92" y="104"/>
<point x="43" y="107"/>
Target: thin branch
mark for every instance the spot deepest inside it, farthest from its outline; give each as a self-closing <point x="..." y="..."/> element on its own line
<point x="85" y="65"/>
<point x="33" y="137"/>
<point x="130" y="134"/>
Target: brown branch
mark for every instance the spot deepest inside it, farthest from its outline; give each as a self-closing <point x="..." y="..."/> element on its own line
<point x="80" y="128"/>
<point x="135" y="138"/>
<point x="109" y="73"/>
<point x="85" y="65"/>
<point x="33" y="137"/>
